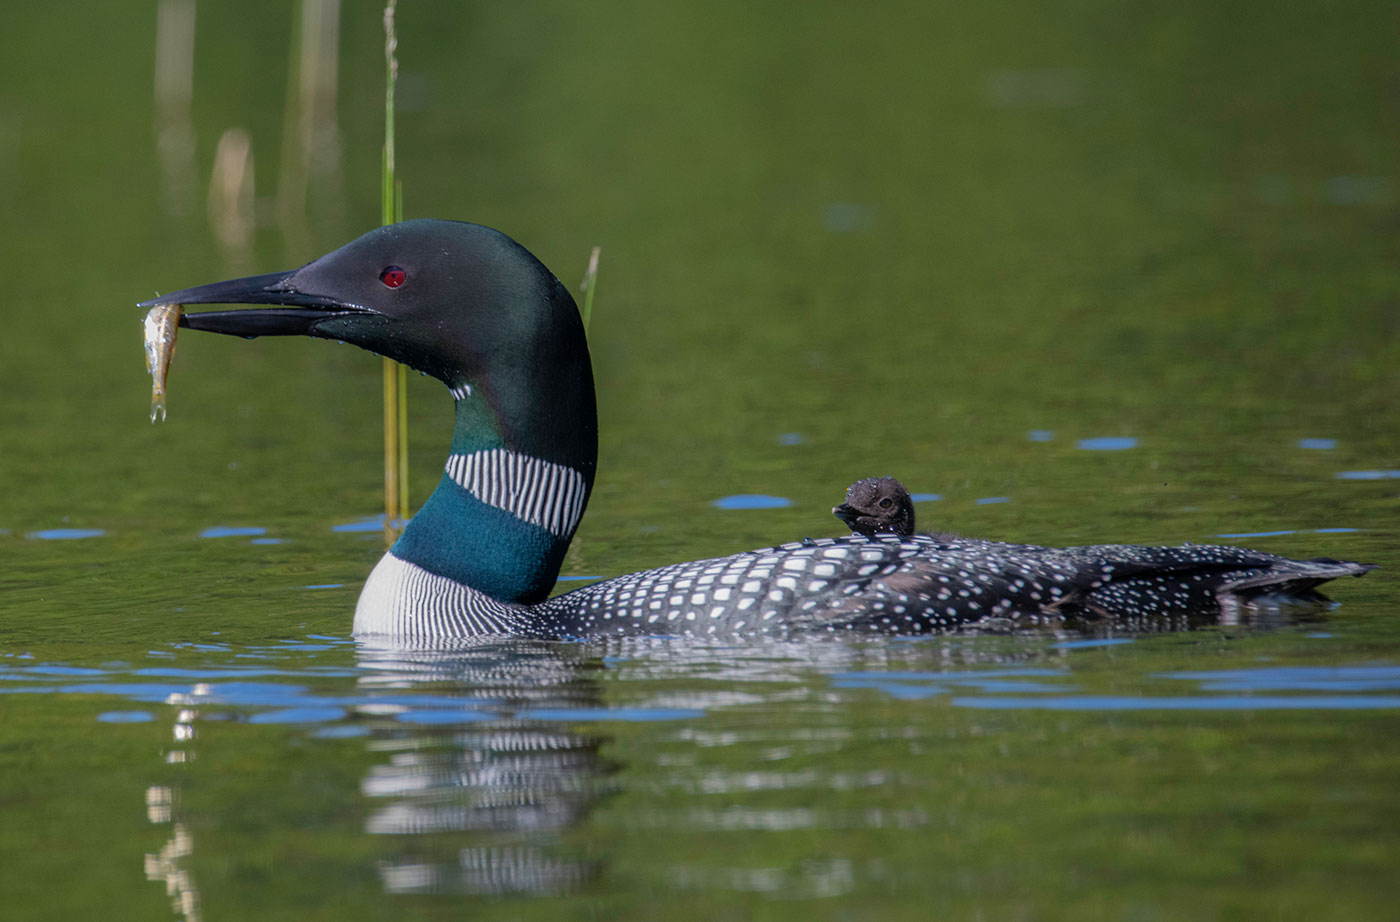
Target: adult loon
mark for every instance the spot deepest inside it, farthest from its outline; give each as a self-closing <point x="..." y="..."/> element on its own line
<point x="471" y="307"/>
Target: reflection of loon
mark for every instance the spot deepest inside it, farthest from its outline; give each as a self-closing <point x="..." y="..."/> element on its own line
<point x="482" y="781"/>
<point x="469" y="306"/>
<point x="1122" y="580"/>
<point x="168" y="866"/>
<point x="506" y="783"/>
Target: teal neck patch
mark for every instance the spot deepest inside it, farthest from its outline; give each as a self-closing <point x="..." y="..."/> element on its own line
<point x="458" y="536"/>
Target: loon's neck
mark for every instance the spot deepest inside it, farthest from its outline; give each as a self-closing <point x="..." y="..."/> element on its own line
<point x="502" y="516"/>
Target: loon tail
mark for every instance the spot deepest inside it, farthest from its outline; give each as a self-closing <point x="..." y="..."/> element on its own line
<point x="1246" y="586"/>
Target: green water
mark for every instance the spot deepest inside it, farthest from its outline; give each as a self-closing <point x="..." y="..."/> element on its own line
<point x="942" y="242"/>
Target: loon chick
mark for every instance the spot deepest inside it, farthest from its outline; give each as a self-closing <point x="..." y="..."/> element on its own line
<point x="881" y="506"/>
<point x="877" y="506"/>
<point x="474" y="309"/>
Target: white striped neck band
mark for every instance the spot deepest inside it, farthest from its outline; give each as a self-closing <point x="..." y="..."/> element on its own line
<point x="539" y="492"/>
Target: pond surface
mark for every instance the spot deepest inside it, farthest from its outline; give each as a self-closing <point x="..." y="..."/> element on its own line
<point x="1074" y="275"/>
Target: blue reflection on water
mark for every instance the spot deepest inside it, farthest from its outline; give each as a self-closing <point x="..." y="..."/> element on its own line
<point x="925" y="497"/>
<point x="845" y="217"/>
<point x="341" y="731"/>
<point x="253" y="689"/>
<point x="126" y="717"/>
<point x="1256" y="534"/>
<point x="1287" y="531"/>
<point x="55" y="670"/>
<point x="66" y="534"/>
<point x="251" y="672"/>
<point x="1368" y="475"/>
<point x="1089" y="644"/>
<point x="1357" y="190"/>
<point x="301" y="715"/>
<point x="990" y="500"/>
<point x="1297" y="678"/>
<point x="1015" y="689"/>
<point x="1317" y="444"/>
<point x="232" y="531"/>
<point x="910" y="685"/>
<point x="1107" y="443"/>
<point x="232" y="685"/>
<point x="752" y="501"/>
<point x="1224" y="703"/>
<point x="441" y="716"/>
<point x="373" y="523"/>
<point x="1334" y="681"/>
<point x="1041" y="435"/>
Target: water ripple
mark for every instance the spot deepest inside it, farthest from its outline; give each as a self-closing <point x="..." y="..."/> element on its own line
<point x="913" y="685"/>
<point x="125" y="717"/>
<point x="1107" y="443"/>
<point x="752" y="501"/>
<point x="372" y="524"/>
<point x="386" y="691"/>
<point x="1297" y="678"/>
<point x="66" y="534"/>
<point x="232" y="531"/>
<point x="1222" y="703"/>
<point x="1089" y="644"/>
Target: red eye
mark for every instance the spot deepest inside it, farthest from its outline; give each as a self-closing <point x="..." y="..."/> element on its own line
<point x="393" y="277"/>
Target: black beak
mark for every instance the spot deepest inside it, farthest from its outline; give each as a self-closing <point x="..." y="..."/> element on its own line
<point x="300" y="314"/>
<point x="846" y="514"/>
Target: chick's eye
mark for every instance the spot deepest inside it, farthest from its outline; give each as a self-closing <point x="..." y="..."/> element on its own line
<point x="885" y="503"/>
<point x="393" y="277"/>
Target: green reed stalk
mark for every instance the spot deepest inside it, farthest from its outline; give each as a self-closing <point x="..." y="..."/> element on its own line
<point x="395" y="375"/>
<point x="590" y="281"/>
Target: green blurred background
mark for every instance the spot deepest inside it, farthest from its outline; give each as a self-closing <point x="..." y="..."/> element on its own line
<point x="936" y="240"/>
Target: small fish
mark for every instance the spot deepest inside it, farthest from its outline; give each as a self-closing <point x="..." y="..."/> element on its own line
<point x="162" y="324"/>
